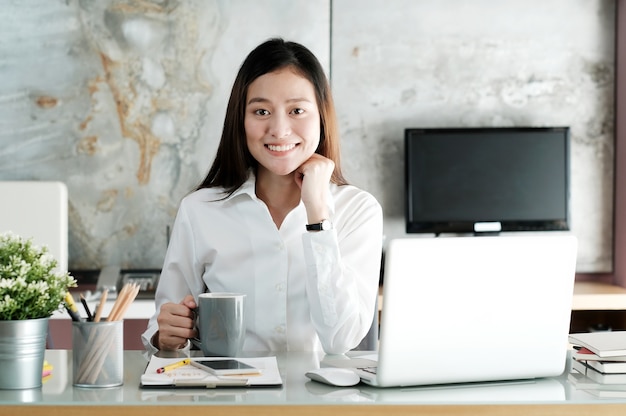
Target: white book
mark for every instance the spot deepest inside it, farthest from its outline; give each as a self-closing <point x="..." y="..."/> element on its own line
<point x="605" y="344"/>
<point x="608" y="367"/>
<point x="583" y="354"/>
<point x="595" y="375"/>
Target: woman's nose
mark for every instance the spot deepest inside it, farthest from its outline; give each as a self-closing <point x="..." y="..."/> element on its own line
<point x="279" y="126"/>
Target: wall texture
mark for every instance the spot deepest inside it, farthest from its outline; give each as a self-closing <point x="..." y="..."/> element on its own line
<point x="479" y="63"/>
<point x="123" y="100"/>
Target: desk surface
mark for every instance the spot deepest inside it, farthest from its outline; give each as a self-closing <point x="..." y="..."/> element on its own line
<point x="300" y="396"/>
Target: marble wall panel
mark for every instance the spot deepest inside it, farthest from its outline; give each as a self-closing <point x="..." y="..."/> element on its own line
<point x="124" y="100"/>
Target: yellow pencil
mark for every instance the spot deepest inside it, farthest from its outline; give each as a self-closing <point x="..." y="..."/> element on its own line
<point x="173" y="366"/>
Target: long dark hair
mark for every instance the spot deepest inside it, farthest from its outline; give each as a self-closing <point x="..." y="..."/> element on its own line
<point x="233" y="159"/>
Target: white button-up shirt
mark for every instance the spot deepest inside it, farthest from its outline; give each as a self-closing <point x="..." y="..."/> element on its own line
<point x="304" y="290"/>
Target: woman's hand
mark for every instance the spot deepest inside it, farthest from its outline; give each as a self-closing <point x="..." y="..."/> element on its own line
<point x="313" y="177"/>
<point x="176" y="324"/>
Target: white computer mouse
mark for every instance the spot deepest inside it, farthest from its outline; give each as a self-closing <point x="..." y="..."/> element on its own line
<point x="334" y="376"/>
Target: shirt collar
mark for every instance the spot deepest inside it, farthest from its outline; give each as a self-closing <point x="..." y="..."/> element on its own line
<point x="247" y="188"/>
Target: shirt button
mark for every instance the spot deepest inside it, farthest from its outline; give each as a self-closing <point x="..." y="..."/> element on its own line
<point x="279" y="329"/>
<point x="280" y="287"/>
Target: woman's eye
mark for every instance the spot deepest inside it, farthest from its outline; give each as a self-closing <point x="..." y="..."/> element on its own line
<point x="261" y="112"/>
<point x="298" y="111"/>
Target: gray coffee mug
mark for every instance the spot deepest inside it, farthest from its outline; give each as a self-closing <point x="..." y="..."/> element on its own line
<point x="221" y="324"/>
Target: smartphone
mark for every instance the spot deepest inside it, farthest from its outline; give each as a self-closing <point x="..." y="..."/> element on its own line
<point x="227" y="367"/>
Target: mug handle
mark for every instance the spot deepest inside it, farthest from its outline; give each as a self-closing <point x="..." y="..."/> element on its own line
<point x="195" y="340"/>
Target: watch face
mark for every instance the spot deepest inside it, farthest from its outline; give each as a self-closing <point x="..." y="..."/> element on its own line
<point x="326" y="225"/>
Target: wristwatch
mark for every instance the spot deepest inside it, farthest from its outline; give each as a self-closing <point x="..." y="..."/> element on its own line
<point x="324" y="225"/>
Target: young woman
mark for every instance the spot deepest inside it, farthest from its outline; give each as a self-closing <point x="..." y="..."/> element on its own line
<point x="275" y="219"/>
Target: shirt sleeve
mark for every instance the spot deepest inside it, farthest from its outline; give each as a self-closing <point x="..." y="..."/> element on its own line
<point x="343" y="273"/>
<point x="178" y="276"/>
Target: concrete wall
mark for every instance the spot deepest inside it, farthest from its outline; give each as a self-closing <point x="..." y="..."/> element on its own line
<point x="124" y="100"/>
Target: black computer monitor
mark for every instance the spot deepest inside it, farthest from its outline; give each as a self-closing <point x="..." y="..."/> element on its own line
<point x="462" y="180"/>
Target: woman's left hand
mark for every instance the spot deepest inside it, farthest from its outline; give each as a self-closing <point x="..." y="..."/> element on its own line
<point x="313" y="177"/>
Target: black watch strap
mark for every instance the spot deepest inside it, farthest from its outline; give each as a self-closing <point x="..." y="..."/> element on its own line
<point x="324" y="225"/>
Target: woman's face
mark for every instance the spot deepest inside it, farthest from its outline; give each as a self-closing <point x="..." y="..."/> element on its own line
<point x="282" y="121"/>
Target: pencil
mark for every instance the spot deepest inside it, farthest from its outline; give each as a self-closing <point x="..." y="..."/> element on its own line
<point x="87" y="310"/>
<point x="124" y="299"/>
<point x="103" y="299"/>
<point x="173" y="366"/>
<point x="132" y="294"/>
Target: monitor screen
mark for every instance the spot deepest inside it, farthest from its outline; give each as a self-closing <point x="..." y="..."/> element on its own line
<point x="461" y="180"/>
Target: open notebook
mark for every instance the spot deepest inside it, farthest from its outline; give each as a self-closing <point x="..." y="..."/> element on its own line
<point x="190" y="376"/>
<point x="469" y="309"/>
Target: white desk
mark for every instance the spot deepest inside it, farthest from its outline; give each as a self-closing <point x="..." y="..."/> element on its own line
<point x="554" y="396"/>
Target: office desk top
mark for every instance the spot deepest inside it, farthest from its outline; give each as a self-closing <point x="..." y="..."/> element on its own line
<point x="299" y="396"/>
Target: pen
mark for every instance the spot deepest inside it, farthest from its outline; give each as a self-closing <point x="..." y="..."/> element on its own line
<point x="173" y="366"/>
<point x="84" y="302"/>
<point x="71" y="307"/>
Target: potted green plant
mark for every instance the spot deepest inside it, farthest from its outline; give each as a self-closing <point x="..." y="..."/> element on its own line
<point x="31" y="290"/>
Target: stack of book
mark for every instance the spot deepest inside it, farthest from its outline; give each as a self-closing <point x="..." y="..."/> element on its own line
<point x="599" y="363"/>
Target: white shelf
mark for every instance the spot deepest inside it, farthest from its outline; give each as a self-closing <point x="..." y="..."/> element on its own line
<point x="139" y="309"/>
<point x="589" y="296"/>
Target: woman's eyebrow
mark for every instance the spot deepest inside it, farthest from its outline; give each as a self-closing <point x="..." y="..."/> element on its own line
<point x="257" y="100"/>
<point x="265" y="100"/>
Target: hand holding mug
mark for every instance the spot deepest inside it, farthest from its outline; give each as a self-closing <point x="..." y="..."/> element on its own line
<point x="176" y="324"/>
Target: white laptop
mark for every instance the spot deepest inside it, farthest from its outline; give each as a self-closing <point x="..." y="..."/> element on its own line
<point x="470" y="309"/>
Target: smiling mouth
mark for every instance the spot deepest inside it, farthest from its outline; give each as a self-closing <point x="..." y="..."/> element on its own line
<point x="281" y="148"/>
